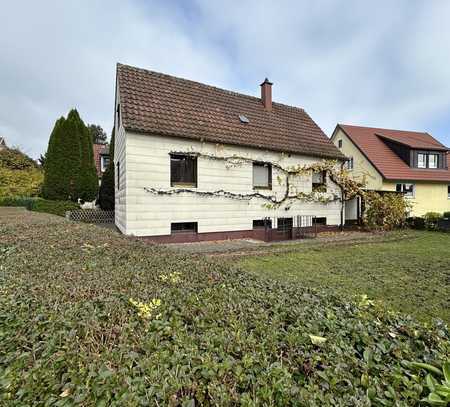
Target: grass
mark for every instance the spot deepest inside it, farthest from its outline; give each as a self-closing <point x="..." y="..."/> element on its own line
<point x="92" y="318"/>
<point x="411" y="275"/>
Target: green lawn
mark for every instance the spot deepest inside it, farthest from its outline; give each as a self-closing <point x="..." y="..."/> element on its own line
<point x="411" y="275"/>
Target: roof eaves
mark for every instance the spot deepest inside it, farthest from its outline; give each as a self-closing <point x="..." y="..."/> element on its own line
<point x="212" y="140"/>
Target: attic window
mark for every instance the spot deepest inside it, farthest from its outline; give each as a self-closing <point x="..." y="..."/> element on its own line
<point x="243" y="119"/>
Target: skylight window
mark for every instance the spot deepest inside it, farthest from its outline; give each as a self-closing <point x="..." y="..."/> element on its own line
<point x="243" y="119"/>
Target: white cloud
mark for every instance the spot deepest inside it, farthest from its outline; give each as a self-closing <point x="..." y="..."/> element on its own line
<point x="383" y="64"/>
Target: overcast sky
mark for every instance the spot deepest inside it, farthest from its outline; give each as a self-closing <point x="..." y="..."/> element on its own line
<point x="383" y="64"/>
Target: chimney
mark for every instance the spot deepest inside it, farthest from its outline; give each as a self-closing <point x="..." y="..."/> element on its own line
<point x="266" y="94"/>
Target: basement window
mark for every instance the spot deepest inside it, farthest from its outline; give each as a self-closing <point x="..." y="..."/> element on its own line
<point x="183" y="170"/>
<point x="284" y="223"/>
<point x="262" y="223"/>
<point x="406" y="189"/>
<point x="319" y="181"/>
<point x="262" y="176"/>
<point x="320" y="221"/>
<point x="183" y="227"/>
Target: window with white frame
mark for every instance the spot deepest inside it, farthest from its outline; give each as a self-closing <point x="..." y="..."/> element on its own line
<point x="349" y="163"/>
<point x="104" y="162"/>
<point x="427" y="160"/>
<point x="406" y="189"/>
<point x="433" y="160"/>
<point x="421" y="160"/>
<point x="262" y="176"/>
<point x="319" y="181"/>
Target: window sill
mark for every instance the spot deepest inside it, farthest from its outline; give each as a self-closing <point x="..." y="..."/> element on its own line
<point x="181" y="185"/>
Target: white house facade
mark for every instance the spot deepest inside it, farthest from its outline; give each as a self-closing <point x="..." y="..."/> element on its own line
<point x="173" y="185"/>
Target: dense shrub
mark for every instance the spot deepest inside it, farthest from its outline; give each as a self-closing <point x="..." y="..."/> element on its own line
<point x="93" y="318"/>
<point x="106" y="194"/>
<point x="446" y="215"/>
<point x="431" y="220"/>
<point x="21" y="201"/>
<point x="40" y="205"/>
<point x="416" y="222"/>
<point x="19" y="174"/>
<point x="385" y="211"/>
<point x="69" y="164"/>
<point x="55" y="207"/>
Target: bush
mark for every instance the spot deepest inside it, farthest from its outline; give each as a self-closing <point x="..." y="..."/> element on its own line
<point x="93" y="318"/>
<point x="19" y="174"/>
<point x="54" y="207"/>
<point x="385" y="211"/>
<point x="446" y="215"/>
<point x="431" y="220"/>
<point x="416" y="223"/>
<point x="20" y="201"/>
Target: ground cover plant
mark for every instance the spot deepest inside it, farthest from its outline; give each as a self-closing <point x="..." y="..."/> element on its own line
<point x="410" y="275"/>
<point x="89" y="317"/>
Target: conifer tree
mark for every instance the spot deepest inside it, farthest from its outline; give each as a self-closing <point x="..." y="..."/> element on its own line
<point x="106" y="197"/>
<point x="87" y="181"/>
<point x="62" y="162"/>
<point x="69" y="171"/>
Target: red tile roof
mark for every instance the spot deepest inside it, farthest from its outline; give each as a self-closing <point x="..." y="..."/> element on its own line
<point x="156" y="103"/>
<point x="369" y="140"/>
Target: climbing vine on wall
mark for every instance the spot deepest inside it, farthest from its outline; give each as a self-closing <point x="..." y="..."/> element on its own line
<point x="348" y="187"/>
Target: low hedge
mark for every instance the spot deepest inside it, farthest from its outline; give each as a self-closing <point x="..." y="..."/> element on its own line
<point x="89" y="318"/>
<point x="40" y="205"/>
<point x="55" y="207"/>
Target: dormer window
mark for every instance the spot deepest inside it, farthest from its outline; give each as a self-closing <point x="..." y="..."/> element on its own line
<point x="421" y="160"/>
<point x="433" y="160"/>
<point x="427" y="160"/>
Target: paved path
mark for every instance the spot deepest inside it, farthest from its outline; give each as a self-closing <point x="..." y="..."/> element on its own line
<point x="248" y="246"/>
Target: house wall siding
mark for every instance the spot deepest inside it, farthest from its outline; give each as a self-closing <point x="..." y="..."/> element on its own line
<point x="120" y="157"/>
<point x="429" y="197"/>
<point x="363" y="170"/>
<point x="148" y="165"/>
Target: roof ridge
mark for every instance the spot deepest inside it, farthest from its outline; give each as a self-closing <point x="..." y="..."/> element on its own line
<point x="383" y="128"/>
<point x="231" y="92"/>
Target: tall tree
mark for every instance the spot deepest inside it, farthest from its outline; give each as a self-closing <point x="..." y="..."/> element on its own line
<point x="106" y="197"/>
<point x="62" y="163"/>
<point x="87" y="181"/>
<point x="98" y="135"/>
<point x="69" y="171"/>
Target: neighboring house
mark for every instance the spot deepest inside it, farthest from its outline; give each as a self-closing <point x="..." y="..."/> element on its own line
<point x="408" y="162"/>
<point x="2" y="144"/>
<point x="101" y="158"/>
<point x="174" y="181"/>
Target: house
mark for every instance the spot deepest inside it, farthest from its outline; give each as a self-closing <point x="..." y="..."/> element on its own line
<point x="195" y="162"/>
<point x="101" y="158"/>
<point x="2" y="144"/>
<point x="408" y="162"/>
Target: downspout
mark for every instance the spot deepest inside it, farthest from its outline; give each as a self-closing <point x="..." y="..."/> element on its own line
<point x="342" y="201"/>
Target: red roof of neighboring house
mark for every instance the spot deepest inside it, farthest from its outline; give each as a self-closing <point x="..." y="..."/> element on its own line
<point x="155" y="103"/>
<point x="369" y="141"/>
<point x="99" y="150"/>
